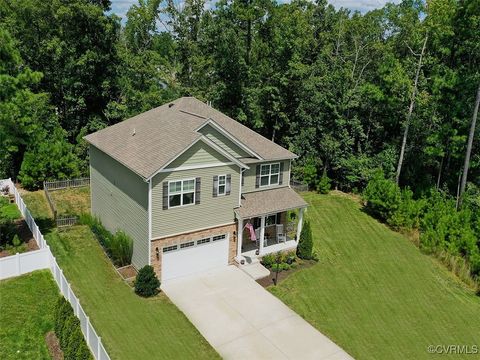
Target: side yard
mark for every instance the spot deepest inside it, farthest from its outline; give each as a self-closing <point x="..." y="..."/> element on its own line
<point x="131" y="327"/>
<point x="26" y="315"/>
<point x="373" y="292"/>
<point x="72" y="201"/>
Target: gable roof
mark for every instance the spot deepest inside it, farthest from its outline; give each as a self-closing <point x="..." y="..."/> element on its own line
<point x="147" y="142"/>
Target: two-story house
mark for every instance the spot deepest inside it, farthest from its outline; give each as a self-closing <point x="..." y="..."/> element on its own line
<point x="193" y="188"/>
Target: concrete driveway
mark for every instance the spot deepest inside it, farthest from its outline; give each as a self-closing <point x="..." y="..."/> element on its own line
<point x="242" y="320"/>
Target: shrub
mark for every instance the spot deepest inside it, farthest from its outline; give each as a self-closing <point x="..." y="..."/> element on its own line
<point x="305" y="245"/>
<point x="16" y="241"/>
<point x="121" y="248"/>
<point x="382" y="196"/>
<point x="268" y="260"/>
<point x="147" y="283"/>
<point x="408" y="213"/>
<point x="7" y="230"/>
<point x="67" y="329"/>
<point x="324" y="185"/>
<point x="62" y="312"/>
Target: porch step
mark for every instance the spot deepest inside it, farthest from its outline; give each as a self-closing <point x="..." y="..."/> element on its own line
<point x="254" y="269"/>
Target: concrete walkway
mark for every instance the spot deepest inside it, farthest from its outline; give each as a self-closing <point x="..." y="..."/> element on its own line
<point x="242" y="320"/>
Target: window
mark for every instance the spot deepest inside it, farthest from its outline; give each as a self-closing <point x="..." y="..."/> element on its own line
<point x="181" y="192"/>
<point x="271" y="220"/>
<point x="187" y="244"/>
<point x="269" y="174"/>
<point x="170" y="248"/>
<point x="203" y="241"/>
<point x="222" y="185"/>
<point x="219" y="237"/>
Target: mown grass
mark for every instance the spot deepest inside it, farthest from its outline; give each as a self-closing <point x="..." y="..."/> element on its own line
<point x="373" y="292"/>
<point x="73" y="201"/>
<point x="27" y="305"/>
<point x="9" y="211"/>
<point x="37" y="204"/>
<point x="131" y="327"/>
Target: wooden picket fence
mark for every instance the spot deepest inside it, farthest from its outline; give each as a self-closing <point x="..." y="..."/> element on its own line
<point x="66" y="184"/>
<point x="49" y="186"/>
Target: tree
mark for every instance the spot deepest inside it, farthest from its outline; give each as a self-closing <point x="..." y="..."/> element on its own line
<point x="305" y="244"/>
<point x="146" y="282"/>
<point x="469" y="150"/>
<point x="25" y="116"/>
<point x="410" y="111"/>
<point x="50" y="158"/>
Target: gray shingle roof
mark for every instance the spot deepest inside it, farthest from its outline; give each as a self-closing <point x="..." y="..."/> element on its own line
<point x="269" y="202"/>
<point x="147" y="142"/>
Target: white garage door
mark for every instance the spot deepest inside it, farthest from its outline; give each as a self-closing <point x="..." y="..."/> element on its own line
<point x="194" y="256"/>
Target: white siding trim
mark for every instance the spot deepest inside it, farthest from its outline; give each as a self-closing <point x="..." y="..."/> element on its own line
<point x="289" y="172"/>
<point x="240" y="188"/>
<point x="192" y="231"/>
<point x="149" y="221"/>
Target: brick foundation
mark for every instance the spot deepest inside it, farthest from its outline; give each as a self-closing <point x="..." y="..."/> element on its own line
<point x="195" y="235"/>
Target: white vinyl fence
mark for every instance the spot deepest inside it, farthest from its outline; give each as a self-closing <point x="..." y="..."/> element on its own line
<point x="19" y="264"/>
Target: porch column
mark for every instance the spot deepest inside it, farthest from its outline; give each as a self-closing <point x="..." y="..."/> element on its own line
<point x="262" y="233"/>
<point x="239" y="237"/>
<point x="300" y="223"/>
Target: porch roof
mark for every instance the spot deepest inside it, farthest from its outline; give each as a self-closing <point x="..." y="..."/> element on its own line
<point x="268" y="202"/>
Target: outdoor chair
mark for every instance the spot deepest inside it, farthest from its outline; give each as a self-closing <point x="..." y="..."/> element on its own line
<point x="281" y="237"/>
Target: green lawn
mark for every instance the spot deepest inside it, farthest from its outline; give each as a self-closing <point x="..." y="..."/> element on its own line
<point x="37" y="205"/>
<point x="73" y="201"/>
<point x="9" y="211"/>
<point x="373" y="292"/>
<point x="26" y="314"/>
<point x="131" y="327"/>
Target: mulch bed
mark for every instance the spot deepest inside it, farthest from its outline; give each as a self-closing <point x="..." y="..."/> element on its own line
<point x="282" y="275"/>
<point x="53" y="346"/>
<point x="127" y="272"/>
<point x="25" y="235"/>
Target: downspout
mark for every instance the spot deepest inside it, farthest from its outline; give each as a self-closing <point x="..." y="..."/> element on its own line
<point x="150" y="222"/>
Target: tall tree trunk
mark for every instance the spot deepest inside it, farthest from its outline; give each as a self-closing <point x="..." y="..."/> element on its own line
<point x="469" y="150"/>
<point x="439" y="177"/>
<point x="410" y="111"/>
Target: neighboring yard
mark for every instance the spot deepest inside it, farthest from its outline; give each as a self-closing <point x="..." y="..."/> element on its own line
<point x="373" y="292"/>
<point x="71" y="201"/>
<point x="15" y="236"/>
<point x="27" y="306"/>
<point x="131" y="327"/>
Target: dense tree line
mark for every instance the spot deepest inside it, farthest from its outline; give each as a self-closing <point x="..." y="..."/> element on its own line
<point x="340" y="88"/>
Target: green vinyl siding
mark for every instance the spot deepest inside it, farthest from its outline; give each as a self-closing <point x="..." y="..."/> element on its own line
<point x="210" y="212"/>
<point x="120" y="200"/>
<point x="198" y="154"/>
<point x="222" y="141"/>
<point x="250" y="175"/>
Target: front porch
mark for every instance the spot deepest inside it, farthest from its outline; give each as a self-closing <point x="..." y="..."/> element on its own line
<point x="280" y="235"/>
<point x="268" y="222"/>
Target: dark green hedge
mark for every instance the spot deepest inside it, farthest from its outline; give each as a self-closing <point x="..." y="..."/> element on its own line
<point x="69" y="334"/>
